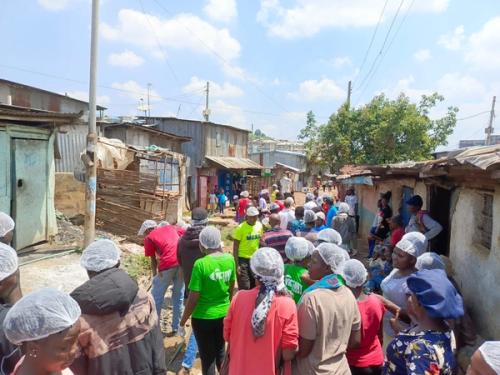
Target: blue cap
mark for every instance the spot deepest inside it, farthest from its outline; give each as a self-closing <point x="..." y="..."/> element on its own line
<point x="436" y="294"/>
<point x="416" y="201"/>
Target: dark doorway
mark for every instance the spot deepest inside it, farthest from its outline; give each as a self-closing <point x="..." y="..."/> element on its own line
<point x="403" y="211"/>
<point x="439" y="209"/>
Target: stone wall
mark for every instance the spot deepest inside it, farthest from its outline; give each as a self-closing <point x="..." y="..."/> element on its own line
<point x="69" y="195"/>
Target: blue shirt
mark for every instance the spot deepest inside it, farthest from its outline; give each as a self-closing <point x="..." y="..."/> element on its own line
<point x="332" y="212"/>
<point x="222" y="198"/>
<point x="425" y="352"/>
<point x="296" y="225"/>
<point x="318" y="229"/>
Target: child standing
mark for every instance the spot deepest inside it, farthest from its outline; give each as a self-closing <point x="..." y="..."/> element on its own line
<point x="212" y="202"/>
<point x="222" y="201"/>
<point x="296" y="275"/>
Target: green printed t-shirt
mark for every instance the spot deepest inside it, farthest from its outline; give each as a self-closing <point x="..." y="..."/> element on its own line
<point x="249" y="237"/>
<point x="211" y="277"/>
<point x="293" y="281"/>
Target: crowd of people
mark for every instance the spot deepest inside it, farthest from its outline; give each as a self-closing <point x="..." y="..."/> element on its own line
<point x="289" y="299"/>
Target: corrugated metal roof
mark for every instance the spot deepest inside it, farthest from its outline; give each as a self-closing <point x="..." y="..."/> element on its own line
<point x="480" y="157"/>
<point x="153" y="130"/>
<point x="288" y="167"/>
<point x="14" y="113"/>
<point x="234" y="163"/>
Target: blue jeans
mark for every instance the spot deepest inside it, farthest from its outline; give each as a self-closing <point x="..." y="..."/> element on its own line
<point x="371" y="243"/>
<point x="191" y="351"/>
<point x="161" y="282"/>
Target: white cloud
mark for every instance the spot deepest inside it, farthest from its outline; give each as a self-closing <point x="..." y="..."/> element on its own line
<point x="340" y="62"/>
<point x="422" y="55"/>
<point x="53" y="5"/>
<point x="405" y="86"/>
<point x="453" y="40"/>
<point x="483" y="50"/>
<point x="221" y="10"/>
<point x="308" y="17"/>
<point x="460" y="87"/>
<point x="226" y="90"/>
<point x="135" y="91"/>
<point x="228" y="114"/>
<point x="183" y="31"/>
<point x="102" y="100"/>
<point x="126" y="59"/>
<point x="322" y="90"/>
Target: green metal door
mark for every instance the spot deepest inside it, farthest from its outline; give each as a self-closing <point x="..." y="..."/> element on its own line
<point x="30" y="191"/>
<point x="4" y="172"/>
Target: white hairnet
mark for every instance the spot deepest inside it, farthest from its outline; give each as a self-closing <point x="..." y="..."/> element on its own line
<point x="148" y="224"/>
<point x="210" y="238"/>
<point x="330" y="235"/>
<point x="8" y="261"/>
<point x="309" y="197"/>
<point x="100" y="255"/>
<point x="490" y="351"/>
<point x="39" y="315"/>
<point x="310" y="247"/>
<point x="320" y="215"/>
<point x="430" y="261"/>
<point x="252" y="211"/>
<point x="309" y="216"/>
<point x="354" y="273"/>
<point x="297" y="248"/>
<point x="413" y="243"/>
<point x="267" y="263"/>
<point x="343" y="208"/>
<point x="245" y="194"/>
<point x="6" y="224"/>
<point x="332" y="255"/>
<point x="289" y="201"/>
<point x="164" y="223"/>
<point x="346" y="254"/>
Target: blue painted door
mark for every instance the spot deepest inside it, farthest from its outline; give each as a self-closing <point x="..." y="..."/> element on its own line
<point x="29" y="187"/>
<point x="405" y="214"/>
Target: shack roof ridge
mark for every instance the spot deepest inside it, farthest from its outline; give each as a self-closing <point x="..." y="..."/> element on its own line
<point x="195" y="121"/>
<point x="149" y="129"/>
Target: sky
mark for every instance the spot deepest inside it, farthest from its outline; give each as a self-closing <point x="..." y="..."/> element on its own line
<point x="268" y="61"/>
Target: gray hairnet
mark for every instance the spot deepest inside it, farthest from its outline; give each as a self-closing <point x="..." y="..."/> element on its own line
<point x="309" y="216"/>
<point x="297" y="248"/>
<point x="267" y="263"/>
<point x="354" y="273"/>
<point x="490" y="351"/>
<point x="39" y="315"/>
<point x="6" y="224"/>
<point x="148" y="224"/>
<point x="210" y="238"/>
<point x="332" y="255"/>
<point x="413" y="243"/>
<point x="8" y="261"/>
<point x="430" y="261"/>
<point x="330" y="235"/>
<point x="100" y="255"/>
<point x="309" y="197"/>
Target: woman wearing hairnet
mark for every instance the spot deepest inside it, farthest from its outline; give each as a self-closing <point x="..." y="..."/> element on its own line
<point x="368" y="358"/>
<point x="261" y="326"/>
<point x="45" y="324"/>
<point x="297" y="278"/>
<point x="6" y="228"/>
<point x="323" y="339"/>
<point x="404" y="259"/>
<point x="426" y="348"/>
<point x="210" y="291"/>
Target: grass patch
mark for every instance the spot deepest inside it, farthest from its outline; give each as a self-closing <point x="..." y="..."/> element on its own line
<point x="137" y="266"/>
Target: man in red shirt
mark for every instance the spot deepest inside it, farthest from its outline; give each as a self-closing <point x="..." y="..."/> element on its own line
<point x="160" y="244"/>
<point x="243" y="205"/>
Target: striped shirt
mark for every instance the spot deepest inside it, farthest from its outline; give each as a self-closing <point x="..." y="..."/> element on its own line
<point x="276" y="238"/>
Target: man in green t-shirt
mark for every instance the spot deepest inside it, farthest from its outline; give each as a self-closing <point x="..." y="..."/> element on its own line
<point x="246" y="242"/>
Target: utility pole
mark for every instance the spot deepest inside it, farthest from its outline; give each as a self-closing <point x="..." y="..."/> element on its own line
<point x="89" y="157"/>
<point x="149" y="108"/>
<point x="349" y="92"/>
<point x="489" y="129"/>
<point x="206" y="111"/>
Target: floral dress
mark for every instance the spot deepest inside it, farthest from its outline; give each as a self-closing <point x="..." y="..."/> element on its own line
<point x="420" y="353"/>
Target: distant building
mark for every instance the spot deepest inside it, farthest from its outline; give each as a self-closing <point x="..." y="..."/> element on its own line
<point x="266" y="145"/>
<point x="495" y="140"/>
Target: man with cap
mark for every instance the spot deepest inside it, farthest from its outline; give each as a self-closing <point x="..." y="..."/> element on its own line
<point x="6" y="228"/>
<point x="246" y="238"/>
<point x="297" y="224"/>
<point x="486" y="359"/>
<point x="309" y="222"/>
<point x="160" y="245"/>
<point x="188" y="251"/>
<point x="112" y="338"/>
<point x="10" y="293"/>
<point x="427" y="347"/>
<point x="310" y="202"/>
<point x="420" y="221"/>
<point x="243" y="204"/>
<point x="276" y="237"/>
<point x="319" y="222"/>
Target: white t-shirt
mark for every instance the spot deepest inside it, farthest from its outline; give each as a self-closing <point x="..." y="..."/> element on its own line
<point x="262" y="203"/>
<point x="310" y="205"/>
<point x="352" y="201"/>
<point x="286" y="216"/>
<point x="286" y="185"/>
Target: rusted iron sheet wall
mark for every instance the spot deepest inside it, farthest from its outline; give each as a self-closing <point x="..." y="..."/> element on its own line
<point x="126" y="198"/>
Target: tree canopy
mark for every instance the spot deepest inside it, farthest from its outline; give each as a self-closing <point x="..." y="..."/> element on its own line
<point x="382" y="131"/>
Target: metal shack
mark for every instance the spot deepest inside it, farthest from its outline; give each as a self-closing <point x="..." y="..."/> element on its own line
<point x="27" y="170"/>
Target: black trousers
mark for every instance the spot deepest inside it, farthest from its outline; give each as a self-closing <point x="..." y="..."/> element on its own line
<point x="211" y="346"/>
<point x="373" y="370"/>
<point x="246" y="279"/>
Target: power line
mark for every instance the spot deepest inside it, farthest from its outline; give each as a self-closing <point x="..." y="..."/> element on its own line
<point x="379" y="55"/>
<point x="474" y="115"/>
<point x="373" y="37"/>
<point x="221" y="58"/>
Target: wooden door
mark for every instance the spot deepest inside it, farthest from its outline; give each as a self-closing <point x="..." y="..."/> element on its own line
<point x="202" y="191"/>
<point x="29" y="190"/>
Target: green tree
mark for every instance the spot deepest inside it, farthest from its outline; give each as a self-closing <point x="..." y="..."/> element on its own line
<point x="382" y="131"/>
